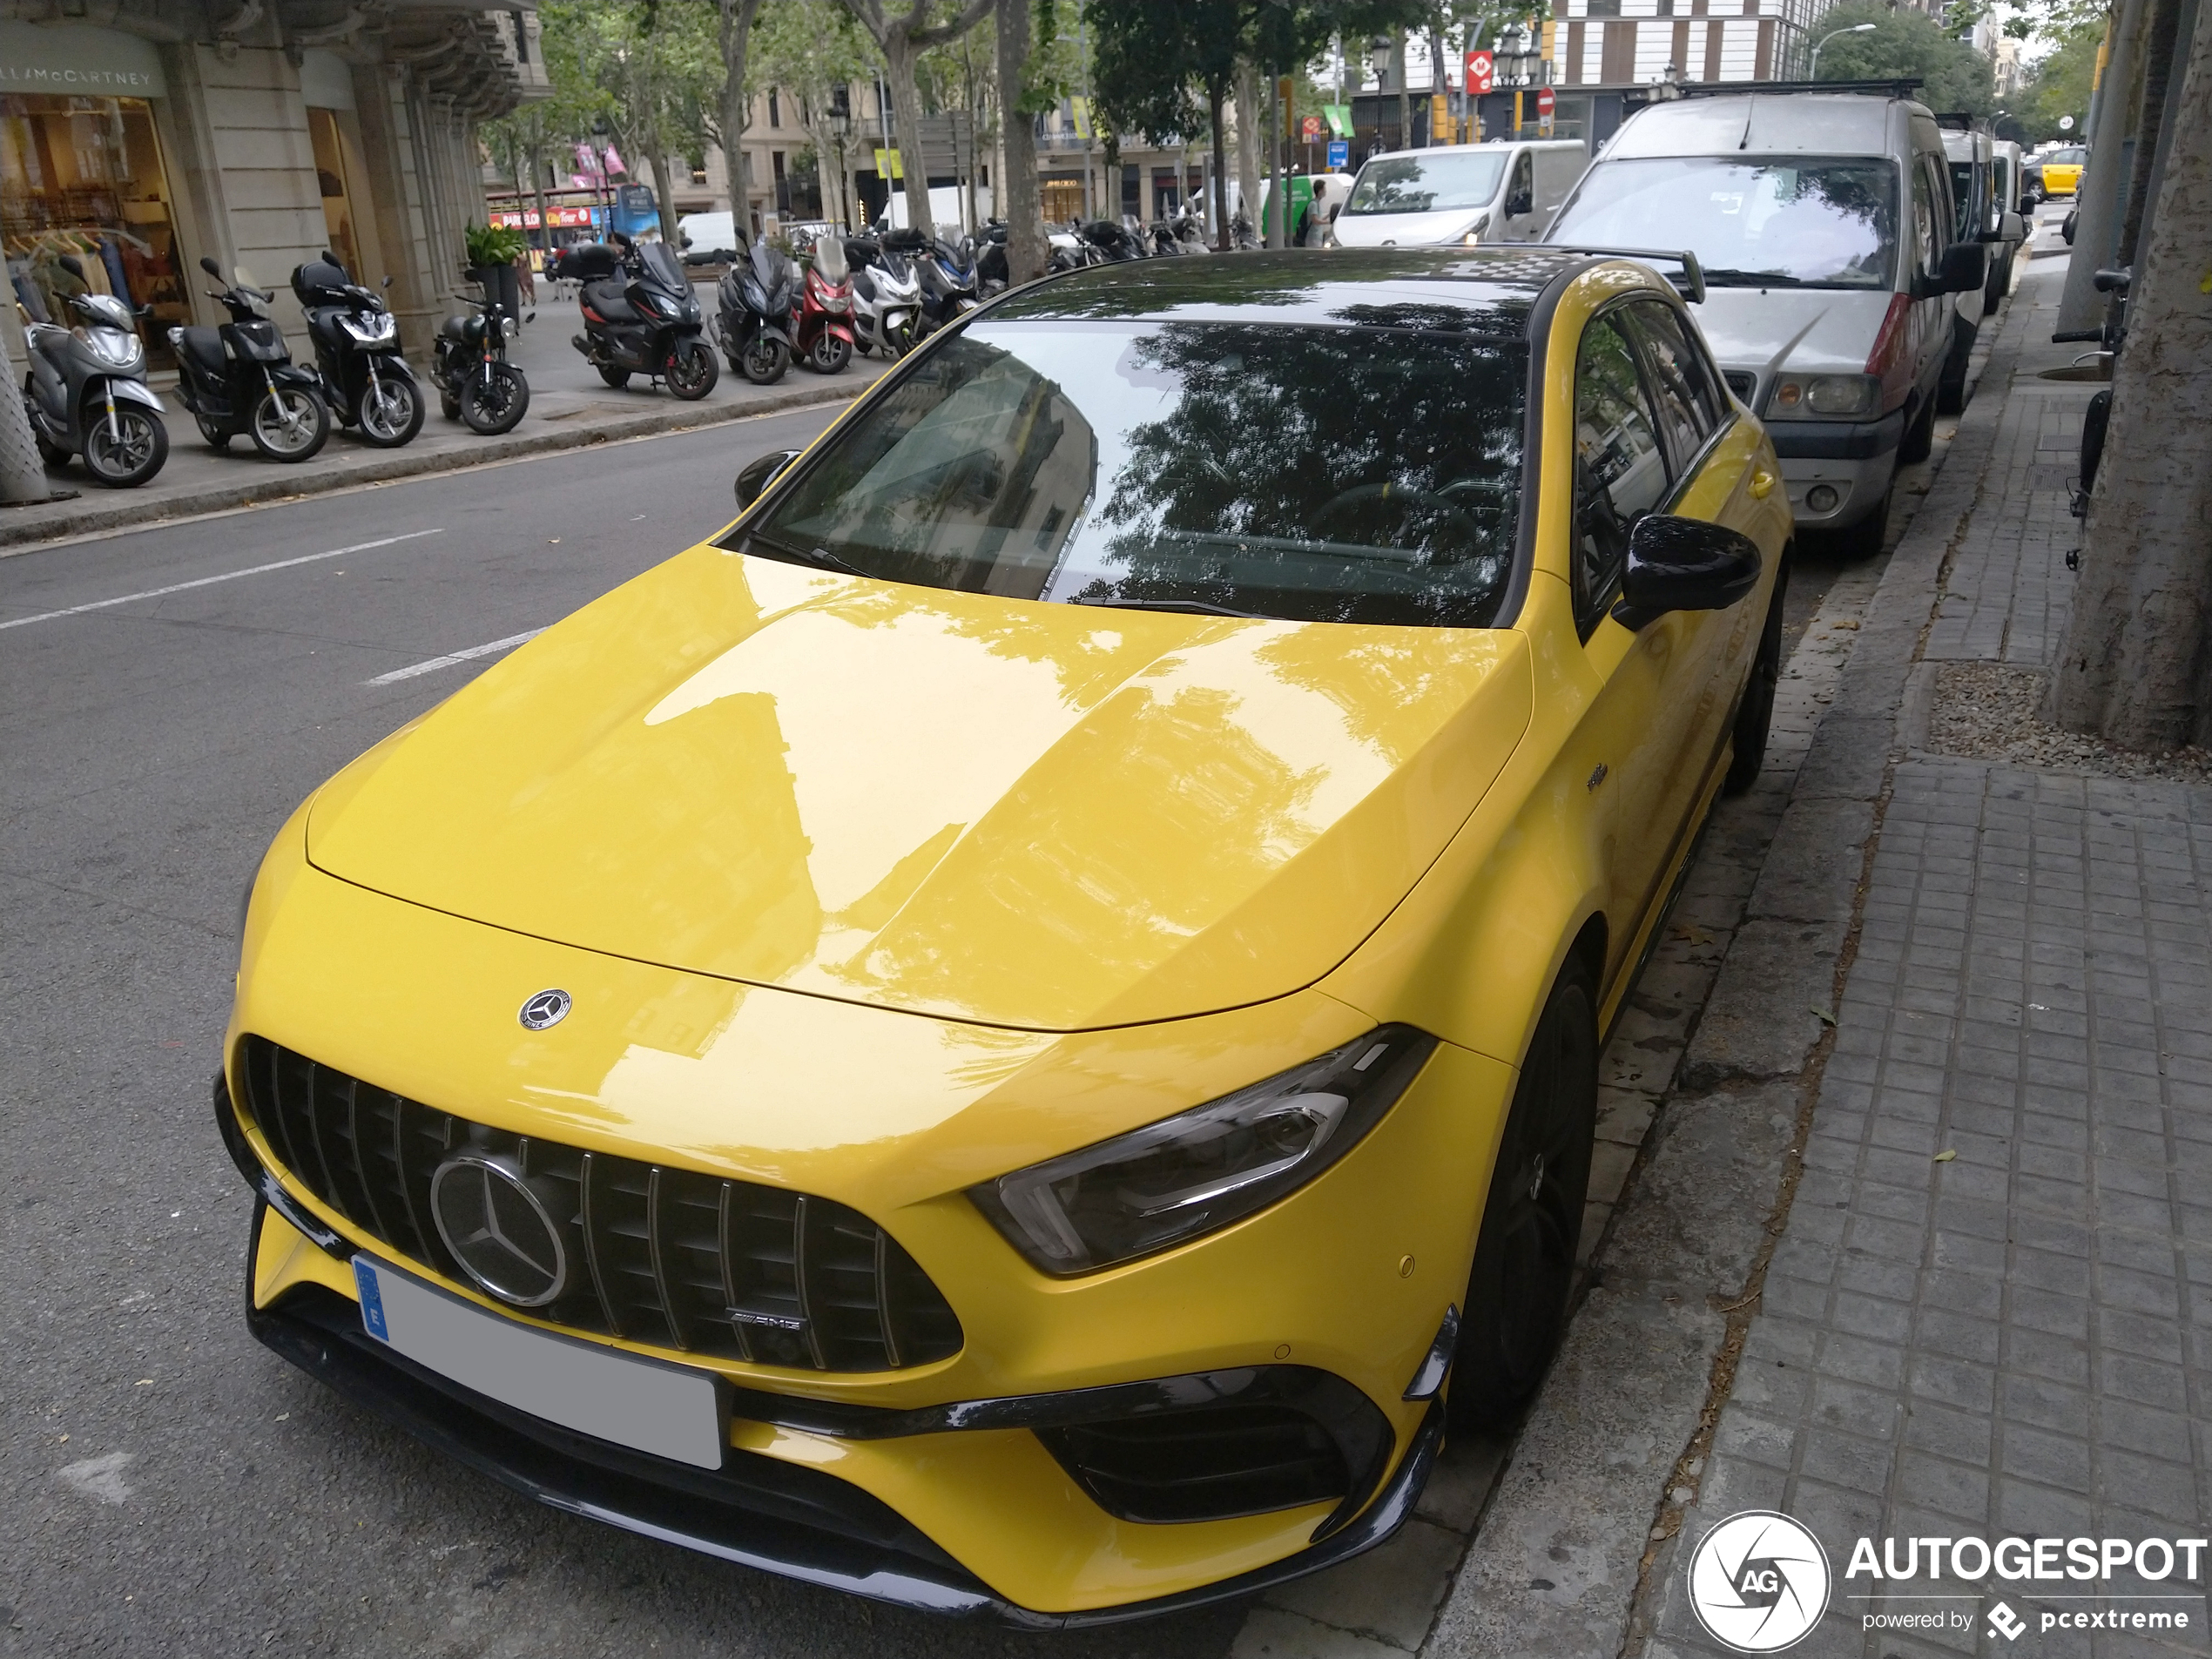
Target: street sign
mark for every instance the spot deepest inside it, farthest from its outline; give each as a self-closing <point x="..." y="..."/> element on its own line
<point x="1339" y="154"/>
<point x="2065" y="124"/>
<point x="1482" y="69"/>
<point x="1544" y="101"/>
<point x="1309" y="129"/>
<point x="1339" y="117"/>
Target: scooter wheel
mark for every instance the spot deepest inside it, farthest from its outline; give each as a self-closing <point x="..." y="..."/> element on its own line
<point x="290" y="423"/>
<point x="216" y="437"/>
<point x="616" y="378"/>
<point x="391" y="413"/>
<point x="765" y="359"/>
<point x="136" y="450"/>
<point x="450" y="405"/>
<point x="830" y="354"/>
<point x="495" y="398"/>
<point x="691" y="370"/>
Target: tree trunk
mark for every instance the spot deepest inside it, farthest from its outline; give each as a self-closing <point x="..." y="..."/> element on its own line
<point x="736" y="106"/>
<point x="2098" y="197"/>
<point x="1248" y="122"/>
<point x="664" y="187"/>
<point x="2137" y="663"/>
<point x="1404" y="92"/>
<point x="537" y="189"/>
<point x="900" y="55"/>
<point x="22" y="476"/>
<point x="1279" y="229"/>
<point x="1020" y="202"/>
<point x="1215" y="100"/>
<point x="2158" y="69"/>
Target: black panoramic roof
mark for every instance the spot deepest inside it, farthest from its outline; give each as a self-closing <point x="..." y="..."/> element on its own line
<point x="1456" y="290"/>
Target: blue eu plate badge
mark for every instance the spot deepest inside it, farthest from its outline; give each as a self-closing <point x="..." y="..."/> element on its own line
<point x="372" y="1300"/>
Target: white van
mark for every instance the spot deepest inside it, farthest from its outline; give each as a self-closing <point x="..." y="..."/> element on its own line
<point x="1500" y="191"/>
<point x="1831" y="249"/>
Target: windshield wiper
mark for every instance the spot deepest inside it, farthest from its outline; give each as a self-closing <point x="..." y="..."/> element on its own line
<point x="820" y="556"/>
<point x="1195" y="607"/>
<point x="1731" y="279"/>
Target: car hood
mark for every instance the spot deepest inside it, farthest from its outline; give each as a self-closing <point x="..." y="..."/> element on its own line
<point x="1810" y="329"/>
<point x="1405" y="230"/>
<point x="1048" y="817"/>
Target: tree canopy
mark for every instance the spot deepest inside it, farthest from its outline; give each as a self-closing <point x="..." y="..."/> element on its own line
<point x="1903" y="43"/>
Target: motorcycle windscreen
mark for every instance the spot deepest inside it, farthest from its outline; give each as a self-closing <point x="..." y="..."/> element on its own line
<point x="663" y="266"/>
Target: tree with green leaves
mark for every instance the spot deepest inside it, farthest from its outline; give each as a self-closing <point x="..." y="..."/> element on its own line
<point x="902" y="36"/>
<point x="540" y="134"/>
<point x="660" y="68"/>
<point x="1906" y="43"/>
<point x="811" y="49"/>
<point x="734" y="21"/>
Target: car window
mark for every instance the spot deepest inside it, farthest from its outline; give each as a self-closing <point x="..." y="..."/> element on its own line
<point x="1524" y="180"/>
<point x="1618" y="474"/>
<point x="1307" y="472"/>
<point x="1688" y="405"/>
<point x="1962" y="201"/>
<point x="1925" y="244"/>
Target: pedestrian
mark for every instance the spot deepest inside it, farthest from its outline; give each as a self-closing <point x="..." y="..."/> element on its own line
<point x="526" y="280"/>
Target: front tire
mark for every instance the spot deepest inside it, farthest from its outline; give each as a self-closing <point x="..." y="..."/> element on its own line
<point x="830" y="354"/>
<point x="1920" y="437"/>
<point x="391" y="413"/>
<point x="134" y="455"/>
<point x="692" y="371"/>
<point x="765" y="359"/>
<point x="1515" y="1311"/>
<point x="290" y="423"/>
<point x="1755" y="714"/>
<point x="493" y="398"/>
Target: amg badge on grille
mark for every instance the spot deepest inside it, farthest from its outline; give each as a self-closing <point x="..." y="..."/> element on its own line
<point x="500" y="1226"/>
<point x="547" y="1008"/>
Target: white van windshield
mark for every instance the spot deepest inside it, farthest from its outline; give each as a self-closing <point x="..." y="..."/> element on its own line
<point x="1426" y="184"/>
<point x="1803" y="221"/>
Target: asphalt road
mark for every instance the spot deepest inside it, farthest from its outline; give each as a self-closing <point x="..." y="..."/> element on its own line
<point x="173" y="1488"/>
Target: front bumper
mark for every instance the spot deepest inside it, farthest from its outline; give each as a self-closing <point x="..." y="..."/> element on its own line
<point x="1856" y="459"/>
<point x="757" y="1511"/>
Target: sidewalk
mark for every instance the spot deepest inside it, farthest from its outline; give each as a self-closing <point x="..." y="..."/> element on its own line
<point x="570" y="406"/>
<point x="1990" y="1310"/>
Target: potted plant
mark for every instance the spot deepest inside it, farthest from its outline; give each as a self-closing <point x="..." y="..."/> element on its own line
<point x="492" y="253"/>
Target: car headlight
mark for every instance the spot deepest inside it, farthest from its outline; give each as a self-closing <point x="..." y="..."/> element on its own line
<point x="370" y="329"/>
<point x="1825" y="394"/>
<point x="1156" y="1187"/>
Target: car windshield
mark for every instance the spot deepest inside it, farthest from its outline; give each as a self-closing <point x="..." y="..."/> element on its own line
<point x="1312" y="473"/>
<point x="1806" y="220"/>
<point x="1426" y="184"/>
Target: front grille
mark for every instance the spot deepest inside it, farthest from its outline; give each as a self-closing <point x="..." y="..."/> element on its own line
<point x="1741" y="381"/>
<point x="673" y="1256"/>
<point x="1211" y="1464"/>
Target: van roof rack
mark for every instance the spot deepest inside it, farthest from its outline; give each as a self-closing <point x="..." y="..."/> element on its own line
<point x="1692" y="284"/>
<point x="1905" y="87"/>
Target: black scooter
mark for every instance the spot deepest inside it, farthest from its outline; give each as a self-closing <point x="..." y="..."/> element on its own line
<point x="241" y="378"/>
<point x="365" y="380"/>
<point x="475" y="381"/>
<point x="86" y="392"/>
<point x="640" y="316"/>
<point x="760" y="292"/>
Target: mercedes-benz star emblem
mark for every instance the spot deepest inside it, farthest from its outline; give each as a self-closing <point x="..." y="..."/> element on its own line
<point x="498" y="1229"/>
<point x="547" y="1008"/>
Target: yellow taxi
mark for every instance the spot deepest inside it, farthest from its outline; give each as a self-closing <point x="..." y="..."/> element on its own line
<point x="2061" y="171"/>
<point x="1017" y="1031"/>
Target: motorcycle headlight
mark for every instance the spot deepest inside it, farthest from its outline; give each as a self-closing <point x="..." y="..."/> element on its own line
<point x="113" y="346"/>
<point x="1833" y="395"/>
<point x="370" y="329"/>
<point x="1156" y="1187"/>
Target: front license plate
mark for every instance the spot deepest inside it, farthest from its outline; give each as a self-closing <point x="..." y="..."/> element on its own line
<point x="666" y="1410"/>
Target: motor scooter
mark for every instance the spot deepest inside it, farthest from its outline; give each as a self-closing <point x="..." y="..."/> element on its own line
<point x="640" y="316"/>
<point x="946" y="275"/>
<point x="822" y="326"/>
<point x="759" y="293"/>
<point x="887" y="296"/>
<point x="86" y="391"/>
<point x="365" y="381"/>
<point x="241" y="378"/>
<point x="475" y="381"/>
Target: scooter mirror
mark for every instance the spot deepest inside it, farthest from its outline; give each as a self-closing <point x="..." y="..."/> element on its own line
<point x="385" y="283"/>
<point x="210" y="268"/>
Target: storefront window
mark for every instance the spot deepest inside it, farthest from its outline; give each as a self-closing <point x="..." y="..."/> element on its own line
<point x="83" y="176"/>
<point x="337" y="199"/>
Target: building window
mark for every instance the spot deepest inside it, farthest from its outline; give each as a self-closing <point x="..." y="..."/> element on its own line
<point x="775" y="109"/>
<point x="331" y="176"/>
<point x="1604" y="9"/>
<point x="748" y="167"/>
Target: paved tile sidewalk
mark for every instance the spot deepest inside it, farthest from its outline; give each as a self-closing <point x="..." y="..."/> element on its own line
<point x="1991" y="1311"/>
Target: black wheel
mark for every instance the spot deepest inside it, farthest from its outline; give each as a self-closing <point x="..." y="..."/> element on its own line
<point x="2000" y="283"/>
<point x="616" y="378"/>
<point x="52" y="453"/>
<point x="494" y="398"/>
<point x="765" y="359"/>
<point x="830" y="353"/>
<point x="864" y="345"/>
<point x="131" y="453"/>
<point x="290" y="423"/>
<point x="692" y="370"/>
<point x="1515" y="1311"/>
<point x="450" y="405"/>
<point x="1864" y="539"/>
<point x="1950" y="390"/>
<point x="217" y="438"/>
<point x="391" y="412"/>
<point x="1920" y="437"/>
<point x="1755" y="714"/>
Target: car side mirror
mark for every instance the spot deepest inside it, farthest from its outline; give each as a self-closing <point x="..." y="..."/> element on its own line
<point x="1684" y="565"/>
<point x="759" y="473"/>
<point x="1520" y="202"/>
<point x="1966" y="267"/>
<point x="2009" y="228"/>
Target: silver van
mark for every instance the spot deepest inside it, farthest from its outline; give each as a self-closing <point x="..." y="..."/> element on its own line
<point x="1501" y="192"/>
<point x="1830" y="246"/>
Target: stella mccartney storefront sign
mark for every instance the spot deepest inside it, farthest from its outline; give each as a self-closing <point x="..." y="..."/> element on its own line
<point x="77" y="57"/>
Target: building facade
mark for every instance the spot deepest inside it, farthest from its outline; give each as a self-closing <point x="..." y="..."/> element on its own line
<point x="138" y="137"/>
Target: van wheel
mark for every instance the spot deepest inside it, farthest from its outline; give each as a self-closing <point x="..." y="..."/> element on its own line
<point x="1755" y="714"/>
<point x="1920" y="437"/>
<point x="1950" y="389"/>
<point x="1515" y="1311"/>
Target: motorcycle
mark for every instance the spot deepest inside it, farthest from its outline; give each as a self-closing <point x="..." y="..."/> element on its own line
<point x="640" y="316"/>
<point x="946" y="275"/>
<point x="475" y="381"/>
<point x="759" y="293"/>
<point x="365" y="381"/>
<point x="887" y="296"/>
<point x="241" y="378"/>
<point x="991" y="271"/>
<point x="86" y="391"/>
<point x="1114" y="242"/>
<point x="823" y="324"/>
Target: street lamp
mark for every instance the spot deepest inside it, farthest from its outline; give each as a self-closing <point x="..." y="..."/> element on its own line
<point x="840" y="123"/>
<point x="1812" y="73"/>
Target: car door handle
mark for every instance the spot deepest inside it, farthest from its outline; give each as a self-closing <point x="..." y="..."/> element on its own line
<point x="1762" y="483"/>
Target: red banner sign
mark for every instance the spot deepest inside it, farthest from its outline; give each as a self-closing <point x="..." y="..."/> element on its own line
<point x="1480" y="70"/>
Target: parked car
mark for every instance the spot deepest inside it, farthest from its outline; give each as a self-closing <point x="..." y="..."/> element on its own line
<point x="992" y="1036"/>
<point x="1980" y="214"/>
<point x="1830" y="244"/>
<point x="2060" y="172"/>
<point x="2006" y="157"/>
<point x="1460" y="192"/>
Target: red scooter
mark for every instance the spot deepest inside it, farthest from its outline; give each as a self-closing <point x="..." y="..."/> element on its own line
<point x="821" y="323"/>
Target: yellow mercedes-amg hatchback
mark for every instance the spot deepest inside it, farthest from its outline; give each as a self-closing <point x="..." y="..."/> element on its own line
<point x="1018" y="1031"/>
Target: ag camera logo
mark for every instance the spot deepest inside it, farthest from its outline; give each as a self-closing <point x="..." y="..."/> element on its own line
<point x="1758" y="1582"/>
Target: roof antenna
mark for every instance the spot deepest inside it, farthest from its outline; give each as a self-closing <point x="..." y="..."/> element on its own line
<point x="1751" y="108"/>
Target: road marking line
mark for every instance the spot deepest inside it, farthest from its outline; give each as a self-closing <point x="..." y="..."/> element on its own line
<point x="209" y="581"/>
<point x="451" y="657"/>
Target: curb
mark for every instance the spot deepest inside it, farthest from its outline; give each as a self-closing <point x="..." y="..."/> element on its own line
<point x="288" y="485"/>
